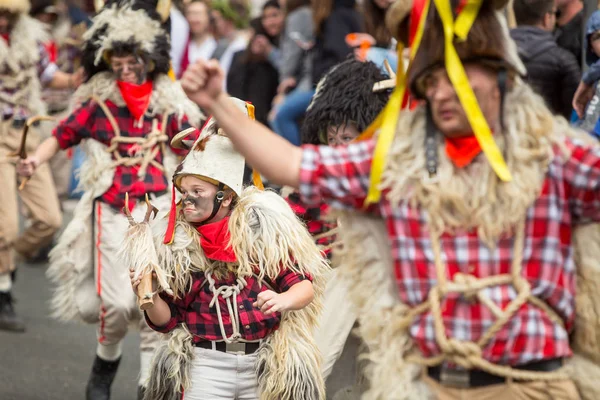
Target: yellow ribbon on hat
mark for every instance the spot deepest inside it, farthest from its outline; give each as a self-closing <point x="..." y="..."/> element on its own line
<point x="256" y="179"/>
<point x="458" y="77"/>
<point x="387" y="120"/>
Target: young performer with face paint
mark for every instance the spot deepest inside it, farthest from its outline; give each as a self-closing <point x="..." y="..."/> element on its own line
<point x="125" y="115"/>
<point x="241" y="288"/>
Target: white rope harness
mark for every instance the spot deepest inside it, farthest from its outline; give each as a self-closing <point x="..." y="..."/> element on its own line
<point x="229" y="293"/>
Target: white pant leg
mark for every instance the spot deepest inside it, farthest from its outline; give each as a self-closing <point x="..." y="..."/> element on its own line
<point x="336" y="322"/>
<point x="221" y="376"/>
<point x="247" y="379"/>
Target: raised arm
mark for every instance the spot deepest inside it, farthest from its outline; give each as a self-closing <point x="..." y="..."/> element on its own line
<point x="270" y="154"/>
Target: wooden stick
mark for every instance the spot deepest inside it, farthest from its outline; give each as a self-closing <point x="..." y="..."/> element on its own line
<point x="145" y="293"/>
<point x="23" y="183"/>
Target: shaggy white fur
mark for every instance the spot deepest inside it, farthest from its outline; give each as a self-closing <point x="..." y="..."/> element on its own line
<point x="120" y="22"/>
<point x="19" y="61"/>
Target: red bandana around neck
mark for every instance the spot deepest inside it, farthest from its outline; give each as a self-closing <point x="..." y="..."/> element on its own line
<point x="137" y="97"/>
<point x="214" y="239"/>
<point x="462" y="150"/>
<point x="6" y="37"/>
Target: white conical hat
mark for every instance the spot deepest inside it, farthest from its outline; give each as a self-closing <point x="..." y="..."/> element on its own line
<point x="212" y="156"/>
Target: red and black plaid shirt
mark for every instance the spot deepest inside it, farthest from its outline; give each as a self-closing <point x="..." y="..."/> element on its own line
<point x="90" y="122"/>
<point x="314" y="218"/>
<point x="194" y="309"/>
<point x="570" y="195"/>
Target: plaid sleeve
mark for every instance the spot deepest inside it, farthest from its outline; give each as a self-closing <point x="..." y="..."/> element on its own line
<point x="76" y="126"/>
<point x="288" y="278"/>
<point x="178" y="307"/>
<point x="336" y="175"/>
<point x="177" y="125"/>
<point x="176" y="317"/>
<point x="582" y="175"/>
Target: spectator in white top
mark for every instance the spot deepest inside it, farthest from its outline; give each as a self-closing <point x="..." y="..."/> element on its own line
<point x="180" y="31"/>
<point x="231" y="19"/>
<point x="201" y="44"/>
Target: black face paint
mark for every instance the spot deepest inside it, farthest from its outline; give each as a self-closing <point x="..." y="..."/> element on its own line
<point x="197" y="209"/>
<point x="139" y="69"/>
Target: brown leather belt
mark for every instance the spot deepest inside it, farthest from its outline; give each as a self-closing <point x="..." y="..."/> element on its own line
<point x="460" y="378"/>
<point x="231" y="348"/>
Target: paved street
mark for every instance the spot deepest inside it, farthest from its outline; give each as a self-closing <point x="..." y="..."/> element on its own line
<point x="52" y="360"/>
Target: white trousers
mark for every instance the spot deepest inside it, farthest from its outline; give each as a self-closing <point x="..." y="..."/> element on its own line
<point x="118" y="302"/>
<point x="222" y="376"/>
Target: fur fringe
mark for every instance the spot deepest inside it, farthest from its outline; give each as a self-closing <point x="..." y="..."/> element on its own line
<point x="266" y="235"/>
<point x="20" y="61"/>
<point x="139" y="253"/>
<point x="67" y="271"/>
<point x="167" y="96"/>
<point x="366" y="266"/>
<point x="125" y="25"/>
<point x="180" y="259"/>
<point x="170" y="371"/>
<point x="453" y="202"/>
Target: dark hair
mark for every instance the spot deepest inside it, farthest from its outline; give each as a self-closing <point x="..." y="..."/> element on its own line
<point x="293" y="5"/>
<point x="271" y="4"/>
<point x="257" y="26"/>
<point x="531" y="12"/>
<point x="321" y="11"/>
<point x="345" y="95"/>
<point x="375" y="25"/>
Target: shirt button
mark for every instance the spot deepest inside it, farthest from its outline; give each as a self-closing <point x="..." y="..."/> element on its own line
<point x="241" y="306"/>
<point x="247" y="326"/>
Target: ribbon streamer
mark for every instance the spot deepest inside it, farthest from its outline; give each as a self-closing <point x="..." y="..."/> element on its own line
<point x="458" y="77"/>
<point x="388" y="118"/>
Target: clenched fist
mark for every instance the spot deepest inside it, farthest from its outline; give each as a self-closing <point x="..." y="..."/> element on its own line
<point x="203" y="82"/>
<point x="270" y="302"/>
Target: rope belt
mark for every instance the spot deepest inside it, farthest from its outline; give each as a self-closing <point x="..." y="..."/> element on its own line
<point x="468" y="354"/>
<point x="149" y="146"/>
<point x="229" y="294"/>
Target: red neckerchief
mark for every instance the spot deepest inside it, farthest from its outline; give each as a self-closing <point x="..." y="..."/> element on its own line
<point x="6" y="37"/>
<point x="137" y="97"/>
<point x="462" y="150"/>
<point x="214" y="239"/>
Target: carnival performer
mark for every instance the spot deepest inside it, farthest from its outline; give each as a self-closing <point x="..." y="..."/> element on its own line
<point x="64" y="48"/>
<point x="129" y="110"/>
<point x="24" y="68"/>
<point x="239" y="283"/>
<point x="467" y="268"/>
<point x="342" y="107"/>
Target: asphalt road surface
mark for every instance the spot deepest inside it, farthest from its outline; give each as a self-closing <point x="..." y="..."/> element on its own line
<point x="52" y="360"/>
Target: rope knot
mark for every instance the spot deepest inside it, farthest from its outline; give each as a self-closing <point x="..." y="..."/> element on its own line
<point x="468" y="282"/>
<point x="463" y="353"/>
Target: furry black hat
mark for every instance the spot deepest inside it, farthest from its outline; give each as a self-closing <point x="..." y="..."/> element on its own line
<point x="345" y="95"/>
<point x="128" y="27"/>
